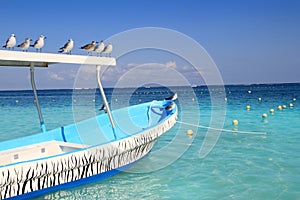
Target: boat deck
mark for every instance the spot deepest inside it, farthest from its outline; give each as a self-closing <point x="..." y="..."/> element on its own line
<point x="39" y="150"/>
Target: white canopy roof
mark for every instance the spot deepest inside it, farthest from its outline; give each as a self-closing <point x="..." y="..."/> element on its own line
<point x="18" y="58"/>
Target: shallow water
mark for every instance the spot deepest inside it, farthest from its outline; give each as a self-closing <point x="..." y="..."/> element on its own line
<point x="239" y="165"/>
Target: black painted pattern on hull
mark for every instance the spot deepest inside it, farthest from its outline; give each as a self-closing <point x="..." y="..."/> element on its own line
<point x="31" y="176"/>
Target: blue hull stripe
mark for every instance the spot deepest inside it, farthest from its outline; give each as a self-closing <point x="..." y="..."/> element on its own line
<point x="72" y="184"/>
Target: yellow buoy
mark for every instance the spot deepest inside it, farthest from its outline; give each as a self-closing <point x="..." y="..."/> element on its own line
<point x="284" y="106"/>
<point x="189" y="132"/>
<point x="272" y="111"/>
<point x="259" y="99"/>
<point x="294" y="99"/>
<point x="17" y="101"/>
<point x="235" y="122"/>
<point x="248" y="107"/>
<point x="264" y="115"/>
<point x="291" y="105"/>
<point x="279" y="107"/>
<point x="225" y="99"/>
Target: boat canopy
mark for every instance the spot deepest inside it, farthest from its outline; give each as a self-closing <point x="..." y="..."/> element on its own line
<point x="17" y="58"/>
<point x="33" y="59"/>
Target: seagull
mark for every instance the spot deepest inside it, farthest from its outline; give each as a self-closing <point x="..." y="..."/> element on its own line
<point x="11" y="42"/>
<point x="67" y="48"/>
<point x="99" y="48"/>
<point x="108" y="49"/>
<point x="172" y="98"/>
<point x="38" y="44"/>
<point x="25" y="45"/>
<point x="89" y="47"/>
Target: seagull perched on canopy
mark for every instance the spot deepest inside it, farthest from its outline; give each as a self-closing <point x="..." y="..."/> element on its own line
<point x="99" y="48"/>
<point x="108" y="49"/>
<point x="39" y="44"/>
<point x="11" y="42"/>
<point x="25" y="45"/>
<point x="89" y="47"/>
<point x="67" y="48"/>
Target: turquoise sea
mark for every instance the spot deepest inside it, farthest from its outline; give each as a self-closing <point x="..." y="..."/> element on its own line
<point x="257" y="159"/>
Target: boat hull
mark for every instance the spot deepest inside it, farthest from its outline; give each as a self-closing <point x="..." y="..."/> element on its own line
<point x="31" y="178"/>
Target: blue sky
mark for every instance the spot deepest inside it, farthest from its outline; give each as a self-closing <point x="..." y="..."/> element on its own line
<point x="251" y="41"/>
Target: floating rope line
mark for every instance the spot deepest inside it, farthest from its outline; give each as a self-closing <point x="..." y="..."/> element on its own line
<point x="223" y="130"/>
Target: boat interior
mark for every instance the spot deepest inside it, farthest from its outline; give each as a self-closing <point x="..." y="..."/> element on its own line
<point x="94" y="131"/>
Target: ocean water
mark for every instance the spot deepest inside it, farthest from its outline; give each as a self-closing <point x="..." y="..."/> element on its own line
<point x="257" y="159"/>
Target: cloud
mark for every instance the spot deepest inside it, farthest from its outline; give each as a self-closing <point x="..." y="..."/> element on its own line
<point x="88" y="69"/>
<point x="132" y="64"/>
<point x="171" y="64"/>
<point x="55" y="76"/>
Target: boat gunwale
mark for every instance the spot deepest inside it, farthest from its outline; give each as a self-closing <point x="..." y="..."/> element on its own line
<point x="174" y="111"/>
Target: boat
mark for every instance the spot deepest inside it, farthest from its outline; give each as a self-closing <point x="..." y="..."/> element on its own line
<point x="83" y="152"/>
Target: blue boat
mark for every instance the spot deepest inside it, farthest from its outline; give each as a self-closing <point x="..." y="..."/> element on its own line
<point x="87" y="151"/>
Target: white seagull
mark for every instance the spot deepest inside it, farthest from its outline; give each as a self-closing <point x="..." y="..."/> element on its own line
<point x="25" y="45"/>
<point x="89" y="47"/>
<point x="11" y="42"/>
<point x="67" y="48"/>
<point x="108" y="49"/>
<point x="39" y="44"/>
<point x="99" y="48"/>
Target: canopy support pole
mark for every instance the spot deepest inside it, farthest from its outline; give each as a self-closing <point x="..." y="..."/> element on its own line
<point x="36" y="100"/>
<point x="105" y="100"/>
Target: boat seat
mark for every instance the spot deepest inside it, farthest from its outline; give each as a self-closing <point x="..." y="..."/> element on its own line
<point x="36" y="151"/>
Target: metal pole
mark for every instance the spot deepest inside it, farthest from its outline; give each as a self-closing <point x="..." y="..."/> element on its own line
<point x="105" y="100"/>
<point x="42" y="124"/>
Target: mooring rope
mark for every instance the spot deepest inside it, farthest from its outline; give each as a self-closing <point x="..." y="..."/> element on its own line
<point x="223" y="130"/>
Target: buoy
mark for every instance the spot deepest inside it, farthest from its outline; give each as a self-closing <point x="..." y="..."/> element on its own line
<point x="93" y="100"/>
<point x="193" y="99"/>
<point x="279" y="107"/>
<point x="264" y="115"/>
<point x="17" y="101"/>
<point x="272" y="111"/>
<point x="140" y="100"/>
<point x="235" y="122"/>
<point x="225" y="99"/>
<point x="291" y="105"/>
<point x="189" y="132"/>
<point x="284" y="106"/>
<point x="248" y="107"/>
<point x="116" y="100"/>
<point x="294" y="99"/>
<point x="74" y="100"/>
<point x="249" y="91"/>
<point x="259" y="99"/>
